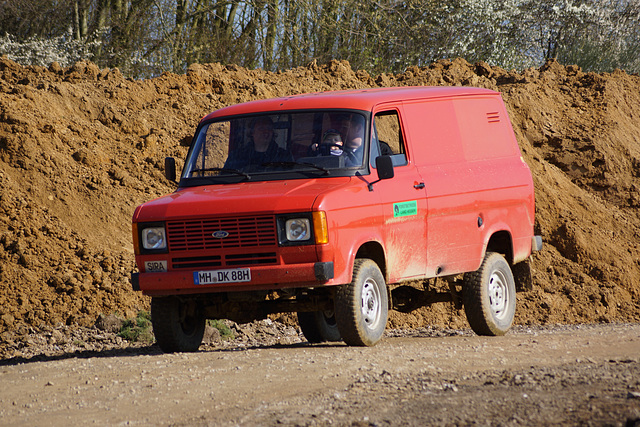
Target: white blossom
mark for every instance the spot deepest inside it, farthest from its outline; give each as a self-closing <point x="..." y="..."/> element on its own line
<point x="37" y="51"/>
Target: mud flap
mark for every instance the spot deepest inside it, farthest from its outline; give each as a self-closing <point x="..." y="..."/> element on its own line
<point x="523" y="276"/>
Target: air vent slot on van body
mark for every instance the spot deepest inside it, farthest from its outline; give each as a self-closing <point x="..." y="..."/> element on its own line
<point x="493" y="117"/>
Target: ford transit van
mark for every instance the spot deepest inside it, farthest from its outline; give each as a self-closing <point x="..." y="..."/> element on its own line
<point x="341" y="206"/>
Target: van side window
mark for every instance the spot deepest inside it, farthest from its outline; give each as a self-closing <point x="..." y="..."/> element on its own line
<point x="387" y="138"/>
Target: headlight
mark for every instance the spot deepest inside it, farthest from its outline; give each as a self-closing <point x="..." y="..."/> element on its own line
<point x="298" y="229"/>
<point x="302" y="228"/>
<point x="154" y="238"/>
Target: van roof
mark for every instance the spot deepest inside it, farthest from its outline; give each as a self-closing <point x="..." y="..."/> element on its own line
<point x="357" y="99"/>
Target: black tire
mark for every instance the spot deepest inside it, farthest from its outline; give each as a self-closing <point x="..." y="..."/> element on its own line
<point x="489" y="296"/>
<point x="319" y="326"/>
<point x="177" y="325"/>
<point x="362" y="306"/>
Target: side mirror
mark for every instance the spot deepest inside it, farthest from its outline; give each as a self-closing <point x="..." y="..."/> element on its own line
<point x="170" y="168"/>
<point x="384" y="166"/>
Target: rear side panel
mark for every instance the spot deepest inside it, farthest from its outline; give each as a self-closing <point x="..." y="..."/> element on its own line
<point x="475" y="179"/>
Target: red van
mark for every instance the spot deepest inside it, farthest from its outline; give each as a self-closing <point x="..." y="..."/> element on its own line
<point x="329" y="204"/>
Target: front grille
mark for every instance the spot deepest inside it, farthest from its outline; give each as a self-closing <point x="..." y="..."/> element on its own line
<point x="231" y="260"/>
<point x="251" y="259"/>
<point x="240" y="232"/>
<point x="197" y="262"/>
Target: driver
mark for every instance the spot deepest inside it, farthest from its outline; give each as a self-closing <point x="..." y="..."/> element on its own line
<point x="331" y="145"/>
<point x="262" y="148"/>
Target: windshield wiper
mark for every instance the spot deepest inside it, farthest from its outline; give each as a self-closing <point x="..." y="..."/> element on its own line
<point x="234" y="171"/>
<point x="276" y="164"/>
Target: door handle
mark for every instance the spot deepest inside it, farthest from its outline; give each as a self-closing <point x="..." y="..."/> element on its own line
<point x="418" y="186"/>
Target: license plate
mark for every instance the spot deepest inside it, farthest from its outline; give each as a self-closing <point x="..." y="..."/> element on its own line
<point x="234" y="275"/>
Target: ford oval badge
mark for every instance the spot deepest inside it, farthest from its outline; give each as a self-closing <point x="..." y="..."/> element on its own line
<point x="220" y="234"/>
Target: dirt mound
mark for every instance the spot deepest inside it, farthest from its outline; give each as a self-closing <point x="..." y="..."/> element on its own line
<point x="80" y="147"/>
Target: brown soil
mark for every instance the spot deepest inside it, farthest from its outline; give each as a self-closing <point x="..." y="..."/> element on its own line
<point x="80" y="147"/>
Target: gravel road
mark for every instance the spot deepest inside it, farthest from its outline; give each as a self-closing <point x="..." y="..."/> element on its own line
<point x="561" y="375"/>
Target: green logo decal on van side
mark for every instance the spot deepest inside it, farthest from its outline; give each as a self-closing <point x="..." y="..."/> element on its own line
<point x="405" y="209"/>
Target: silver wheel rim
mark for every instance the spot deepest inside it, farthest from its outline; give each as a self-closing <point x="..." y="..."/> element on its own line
<point x="370" y="303"/>
<point x="498" y="295"/>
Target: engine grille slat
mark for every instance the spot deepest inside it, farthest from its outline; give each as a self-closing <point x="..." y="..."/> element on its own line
<point x="245" y="232"/>
<point x="233" y="260"/>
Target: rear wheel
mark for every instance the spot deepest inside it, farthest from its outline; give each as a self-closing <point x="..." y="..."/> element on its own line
<point x="361" y="306"/>
<point x="489" y="296"/>
<point x="319" y="326"/>
<point x="177" y="325"/>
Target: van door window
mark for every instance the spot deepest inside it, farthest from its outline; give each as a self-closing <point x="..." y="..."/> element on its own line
<point x="387" y="138"/>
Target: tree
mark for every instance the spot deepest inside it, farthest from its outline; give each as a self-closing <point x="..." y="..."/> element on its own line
<point x="145" y="37"/>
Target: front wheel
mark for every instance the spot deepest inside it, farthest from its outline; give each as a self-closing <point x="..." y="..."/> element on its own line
<point x="489" y="296"/>
<point x="361" y="307"/>
<point x="177" y="325"/>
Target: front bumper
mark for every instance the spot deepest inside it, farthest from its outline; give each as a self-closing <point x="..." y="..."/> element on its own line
<point x="262" y="278"/>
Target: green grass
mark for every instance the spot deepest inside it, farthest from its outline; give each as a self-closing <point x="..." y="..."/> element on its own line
<point x="138" y="329"/>
<point x="225" y="332"/>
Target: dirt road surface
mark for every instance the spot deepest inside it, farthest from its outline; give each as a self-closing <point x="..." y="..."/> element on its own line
<point x="568" y="375"/>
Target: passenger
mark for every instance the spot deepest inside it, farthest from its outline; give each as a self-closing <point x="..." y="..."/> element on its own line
<point x="331" y="145"/>
<point x="353" y="132"/>
<point x="262" y="148"/>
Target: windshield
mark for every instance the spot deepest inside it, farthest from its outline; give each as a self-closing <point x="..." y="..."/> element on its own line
<point x="320" y="142"/>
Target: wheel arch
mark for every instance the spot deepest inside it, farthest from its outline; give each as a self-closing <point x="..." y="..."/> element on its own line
<point x="374" y="251"/>
<point x="501" y="242"/>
